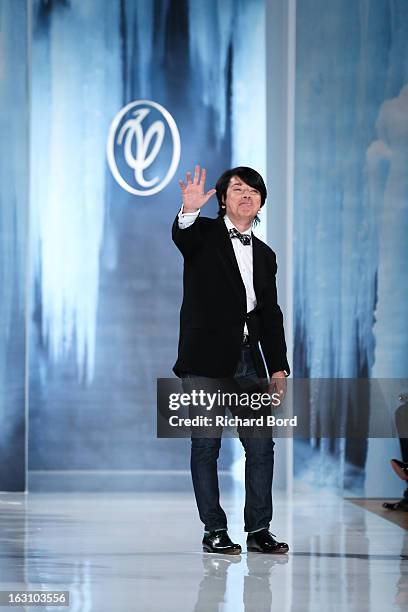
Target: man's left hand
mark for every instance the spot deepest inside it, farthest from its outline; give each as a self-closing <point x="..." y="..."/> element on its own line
<point x="277" y="384"/>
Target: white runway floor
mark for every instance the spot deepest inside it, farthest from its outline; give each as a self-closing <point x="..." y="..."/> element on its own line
<point x="142" y="552"/>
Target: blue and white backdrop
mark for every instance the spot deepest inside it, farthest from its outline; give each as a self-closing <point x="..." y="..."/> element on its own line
<point x="91" y="280"/>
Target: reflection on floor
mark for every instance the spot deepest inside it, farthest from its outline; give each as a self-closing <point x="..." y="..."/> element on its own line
<point x="141" y="552"/>
<point x="374" y="504"/>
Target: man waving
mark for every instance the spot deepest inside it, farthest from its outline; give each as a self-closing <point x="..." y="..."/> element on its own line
<point x="230" y="327"/>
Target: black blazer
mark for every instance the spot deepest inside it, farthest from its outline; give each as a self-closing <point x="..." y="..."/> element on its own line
<point x="214" y="307"/>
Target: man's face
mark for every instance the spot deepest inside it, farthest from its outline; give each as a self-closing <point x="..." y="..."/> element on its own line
<point x="242" y="202"/>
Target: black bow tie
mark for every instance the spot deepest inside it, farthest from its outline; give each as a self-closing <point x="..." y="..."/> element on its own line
<point x="244" y="238"/>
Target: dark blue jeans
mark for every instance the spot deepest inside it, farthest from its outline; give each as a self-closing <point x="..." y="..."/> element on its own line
<point x="259" y="457"/>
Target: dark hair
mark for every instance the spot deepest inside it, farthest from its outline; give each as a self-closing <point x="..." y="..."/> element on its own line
<point x="249" y="176"/>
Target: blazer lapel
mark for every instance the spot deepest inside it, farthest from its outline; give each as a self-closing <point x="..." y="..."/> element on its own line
<point x="259" y="269"/>
<point x="224" y="244"/>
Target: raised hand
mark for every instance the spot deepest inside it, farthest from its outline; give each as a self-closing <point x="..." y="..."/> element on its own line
<point x="193" y="193"/>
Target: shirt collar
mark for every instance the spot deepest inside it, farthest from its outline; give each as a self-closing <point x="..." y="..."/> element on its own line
<point x="230" y="225"/>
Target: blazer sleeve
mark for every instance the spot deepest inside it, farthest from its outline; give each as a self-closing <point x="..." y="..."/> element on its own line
<point x="188" y="240"/>
<point x="272" y="335"/>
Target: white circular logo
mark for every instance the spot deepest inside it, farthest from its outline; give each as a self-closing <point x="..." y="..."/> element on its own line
<point x="141" y="157"/>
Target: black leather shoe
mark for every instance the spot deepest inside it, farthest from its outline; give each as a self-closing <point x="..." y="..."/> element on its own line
<point x="400" y="468"/>
<point x="219" y="542"/>
<point x="264" y="542"/>
<point x="402" y="504"/>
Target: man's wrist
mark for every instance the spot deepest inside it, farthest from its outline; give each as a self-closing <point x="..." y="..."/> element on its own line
<point x="279" y="372"/>
<point x="188" y="211"/>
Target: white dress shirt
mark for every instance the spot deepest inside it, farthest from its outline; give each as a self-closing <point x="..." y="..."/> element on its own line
<point x="243" y="254"/>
